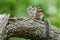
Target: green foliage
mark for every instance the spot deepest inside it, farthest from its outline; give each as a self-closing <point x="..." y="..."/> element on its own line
<point x="16" y="38"/>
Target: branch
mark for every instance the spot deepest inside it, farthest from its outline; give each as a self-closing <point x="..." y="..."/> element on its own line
<point x="29" y="29"/>
<point x="3" y="22"/>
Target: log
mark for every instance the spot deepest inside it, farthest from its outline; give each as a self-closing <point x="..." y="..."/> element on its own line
<point x="29" y="29"/>
<point x="3" y="22"/>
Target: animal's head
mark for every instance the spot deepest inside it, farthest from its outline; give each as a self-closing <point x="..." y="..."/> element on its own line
<point x="31" y="9"/>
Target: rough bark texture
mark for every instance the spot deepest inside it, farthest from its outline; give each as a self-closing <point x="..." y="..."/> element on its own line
<point x="27" y="28"/>
<point x="3" y="22"/>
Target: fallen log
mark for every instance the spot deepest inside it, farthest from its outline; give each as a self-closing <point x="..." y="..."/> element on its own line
<point x="27" y="28"/>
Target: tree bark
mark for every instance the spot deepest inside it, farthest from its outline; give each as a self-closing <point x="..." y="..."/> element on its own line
<point x="27" y="28"/>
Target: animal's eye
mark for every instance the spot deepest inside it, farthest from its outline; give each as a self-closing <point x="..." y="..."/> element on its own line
<point x="29" y="9"/>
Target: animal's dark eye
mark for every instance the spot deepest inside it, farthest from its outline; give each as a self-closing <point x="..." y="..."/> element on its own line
<point x="30" y="9"/>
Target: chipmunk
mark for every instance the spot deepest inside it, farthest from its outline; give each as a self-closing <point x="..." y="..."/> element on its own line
<point x="37" y="13"/>
<point x="40" y="16"/>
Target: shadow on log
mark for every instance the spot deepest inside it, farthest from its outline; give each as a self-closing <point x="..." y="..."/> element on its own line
<point x="27" y="28"/>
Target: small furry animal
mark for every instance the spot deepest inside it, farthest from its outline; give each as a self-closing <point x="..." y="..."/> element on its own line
<point x="37" y="13"/>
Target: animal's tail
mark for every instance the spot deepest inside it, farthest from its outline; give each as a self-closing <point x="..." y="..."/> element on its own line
<point x="46" y="32"/>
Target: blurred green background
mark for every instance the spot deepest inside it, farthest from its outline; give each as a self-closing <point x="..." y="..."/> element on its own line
<point x="51" y="10"/>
